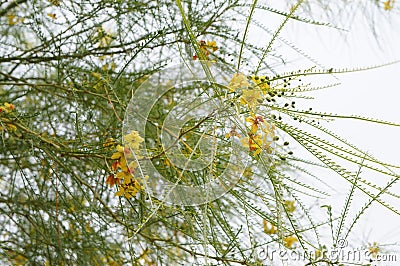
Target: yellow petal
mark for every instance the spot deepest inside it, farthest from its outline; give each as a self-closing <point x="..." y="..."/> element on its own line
<point x="119" y="193"/>
<point x="258" y="151"/>
<point x="116" y="155"/>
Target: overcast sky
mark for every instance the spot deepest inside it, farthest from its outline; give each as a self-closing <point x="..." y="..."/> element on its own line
<point x="374" y="93"/>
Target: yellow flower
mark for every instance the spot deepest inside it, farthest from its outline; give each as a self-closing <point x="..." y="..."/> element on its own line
<point x="133" y="140"/>
<point x="232" y="133"/>
<point x="254" y="143"/>
<point x="111" y="180"/>
<point x="124" y="175"/>
<point x="255" y="121"/>
<point x="52" y="15"/>
<point x="238" y="81"/>
<point x="128" y="190"/>
<point x="318" y="254"/>
<point x="119" y="153"/>
<point x="7" y="107"/>
<point x="289" y="241"/>
<point x="104" y="37"/>
<point x="289" y="205"/>
<point x="374" y="249"/>
<point x="12" y="19"/>
<point x="212" y="45"/>
<point x="269" y="228"/>
<point x="262" y="83"/>
<point x="55" y="2"/>
<point x="388" y="5"/>
<point x="120" y="156"/>
<point x="251" y="97"/>
<point x="205" y="47"/>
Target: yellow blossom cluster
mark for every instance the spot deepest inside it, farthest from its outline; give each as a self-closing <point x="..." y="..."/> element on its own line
<point x="289" y="241"/>
<point x="13" y="19"/>
<point x="251" y="96"/>
<point x="206" y="48"/>
<point x="238" y="81"/>
<point x="123" y="176"/>
<point x="55" y="2"/>
<point x="388" y="5"/>
<point x="6" y="124"/>
<point x="7" y="108"/>
<point x="261" y="135"/>
<point x="271" y="229"/>
<point x="104" y="37"/>
<point x="289" y="205"/>
<point x="374" y="249"/>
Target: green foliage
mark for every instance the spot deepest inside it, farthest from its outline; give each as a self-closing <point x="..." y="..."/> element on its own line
<point x="70" y="68"/>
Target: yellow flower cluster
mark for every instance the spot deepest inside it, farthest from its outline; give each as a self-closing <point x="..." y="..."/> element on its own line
<point x="374" y="249"/>
<point x="7" y="108"/>
<point x="104" y="37"/>
<point x="206" y="48"/>
<point x="55" y="2"/>
<point x="238" y="81"/>
<point x="271" y="229"/>
<point x="289" y="241"/>
<point x="123" y="176"/>
<point x="6" y="124"/>
<point x="52" y="15"/>
<point x="261" y="133"/>
<point x="388" y="5"/>
<point x="251" y="96"/>
<point x="260" y="136"/>
<point x="13" y="19"/>
<point x="289" y="205"/>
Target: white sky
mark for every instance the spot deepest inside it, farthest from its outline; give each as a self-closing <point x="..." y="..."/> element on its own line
<point x="374" y="93"/>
